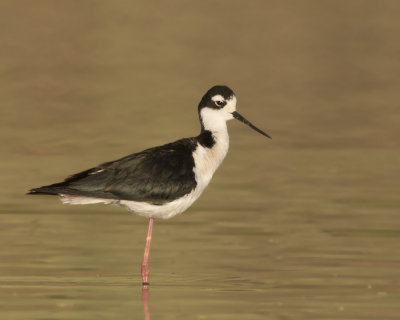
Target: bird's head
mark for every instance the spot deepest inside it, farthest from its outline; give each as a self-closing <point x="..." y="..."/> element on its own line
<point x="217" y="106"/>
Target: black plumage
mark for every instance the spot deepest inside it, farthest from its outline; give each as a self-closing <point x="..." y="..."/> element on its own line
<point x="156" y="175"/>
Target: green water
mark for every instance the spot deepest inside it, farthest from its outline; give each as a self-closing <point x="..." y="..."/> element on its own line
<point x="304" y="226"/>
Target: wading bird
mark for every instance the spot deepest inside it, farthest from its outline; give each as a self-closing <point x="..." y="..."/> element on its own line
<point x="160" y="182"/>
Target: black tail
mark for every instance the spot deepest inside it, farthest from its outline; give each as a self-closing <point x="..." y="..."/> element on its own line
<point x="44" y="190"/>
<point x="56" y="189"/>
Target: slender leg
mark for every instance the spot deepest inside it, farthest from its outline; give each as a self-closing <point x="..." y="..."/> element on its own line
<point x="145" y="264"/>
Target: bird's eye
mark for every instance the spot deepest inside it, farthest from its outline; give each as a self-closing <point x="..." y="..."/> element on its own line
<point x="220" y="103"/>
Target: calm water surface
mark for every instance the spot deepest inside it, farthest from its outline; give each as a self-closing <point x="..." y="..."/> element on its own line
<point x="305" y="226"/>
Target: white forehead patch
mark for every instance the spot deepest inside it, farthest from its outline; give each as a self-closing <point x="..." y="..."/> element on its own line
<point x="217" y="97"/>
<point x="232" y="100"/>
<point x="231" y="104"/>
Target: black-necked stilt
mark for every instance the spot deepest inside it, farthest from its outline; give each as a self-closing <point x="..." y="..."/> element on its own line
<point x="160" y="182"/>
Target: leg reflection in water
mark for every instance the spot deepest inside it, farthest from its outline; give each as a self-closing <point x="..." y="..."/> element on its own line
<point x="145" y="299"/>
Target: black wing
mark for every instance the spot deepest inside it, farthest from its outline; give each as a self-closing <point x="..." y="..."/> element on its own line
<point x="155" y="175"/>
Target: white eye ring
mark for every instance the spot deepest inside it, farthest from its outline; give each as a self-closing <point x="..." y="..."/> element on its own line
<point x="219" y="103"/>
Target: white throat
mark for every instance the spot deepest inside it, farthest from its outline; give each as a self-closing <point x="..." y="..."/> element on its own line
<point x="212" y="120"/>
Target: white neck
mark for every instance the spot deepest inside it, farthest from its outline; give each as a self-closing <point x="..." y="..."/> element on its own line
<point x="213" y="121"/>
<point x="208" y="159"/>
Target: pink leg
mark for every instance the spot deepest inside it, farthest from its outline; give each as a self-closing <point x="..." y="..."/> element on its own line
<point x="145" y="264"/>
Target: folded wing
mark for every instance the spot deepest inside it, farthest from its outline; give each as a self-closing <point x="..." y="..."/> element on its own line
<point x="156" y="175"/>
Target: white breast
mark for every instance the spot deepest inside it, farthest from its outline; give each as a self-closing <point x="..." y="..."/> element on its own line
<point x="207" y="160"/>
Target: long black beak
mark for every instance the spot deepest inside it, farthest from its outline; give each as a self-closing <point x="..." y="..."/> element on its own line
<point x="236" y="115"/>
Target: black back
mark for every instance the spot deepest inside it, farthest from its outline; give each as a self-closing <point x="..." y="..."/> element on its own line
<point x="155" y="175"/>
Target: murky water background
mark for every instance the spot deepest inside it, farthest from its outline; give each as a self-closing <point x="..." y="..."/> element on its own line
<point x="306" y="226"/>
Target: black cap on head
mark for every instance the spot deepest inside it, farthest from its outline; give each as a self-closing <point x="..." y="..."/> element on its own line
<point x="223" y="91"/>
